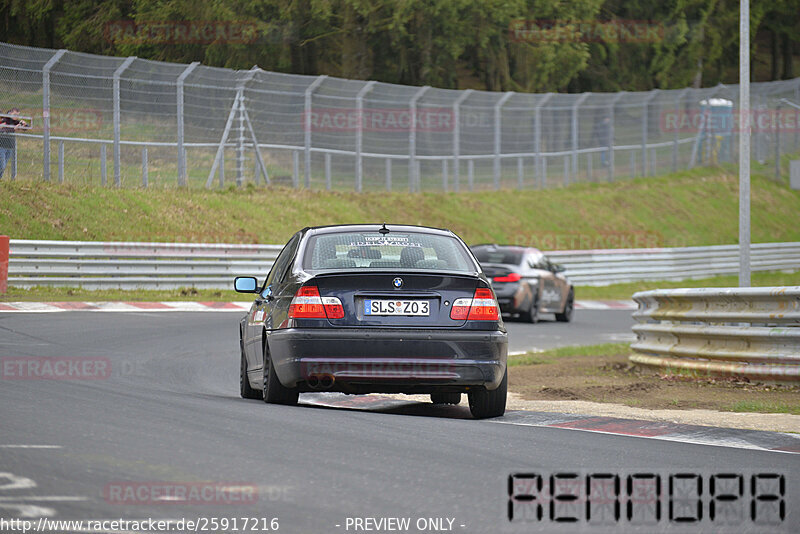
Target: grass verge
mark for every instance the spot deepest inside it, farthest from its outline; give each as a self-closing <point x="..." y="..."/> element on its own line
<point x="696" y="207"/>
<point x="602" y="373"/>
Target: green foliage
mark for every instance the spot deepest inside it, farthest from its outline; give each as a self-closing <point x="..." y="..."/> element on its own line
<point x="444" y="43"/>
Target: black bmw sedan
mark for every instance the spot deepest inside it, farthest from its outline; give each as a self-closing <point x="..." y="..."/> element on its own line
<point x="375" y="309"/>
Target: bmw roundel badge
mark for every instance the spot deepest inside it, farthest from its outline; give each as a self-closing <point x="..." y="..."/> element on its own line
<point x="397" y="282"/>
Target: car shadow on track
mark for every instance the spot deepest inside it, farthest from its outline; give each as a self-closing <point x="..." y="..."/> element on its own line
<point x="385" y="405"/>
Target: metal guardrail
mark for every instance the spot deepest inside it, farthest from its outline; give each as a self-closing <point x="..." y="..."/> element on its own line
<point x="103" y="265"/>
<point x="119" y="265"/>
<point x="751" y="332"/>
<point x="603" y="267"/>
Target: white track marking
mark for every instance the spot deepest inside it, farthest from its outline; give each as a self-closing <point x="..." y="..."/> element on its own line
<point x="14" y="446"/>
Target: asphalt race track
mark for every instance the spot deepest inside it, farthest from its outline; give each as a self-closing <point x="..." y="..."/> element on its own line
<point x="167" y="410"/>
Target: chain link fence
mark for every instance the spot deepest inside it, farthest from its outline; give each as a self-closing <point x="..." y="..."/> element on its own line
<point x="134" y="122"/>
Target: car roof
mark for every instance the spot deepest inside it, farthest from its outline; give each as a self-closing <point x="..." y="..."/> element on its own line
<point x="520" y="248"/>
<point x="374" y="227"/>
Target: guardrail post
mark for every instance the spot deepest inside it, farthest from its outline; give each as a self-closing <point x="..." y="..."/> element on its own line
<point x="645" y="128"/>
<point x="144" y="167"/>
<point x="612" y="110"/>
<point x="537" y="139"/>
<point x="115" y="96"/>
<point x="574" y="132"/>
<point x="497" y="136"/>
<point x="181" y="122"/>
<point x="4" y="253"/>
<point x="413" y="171"/>
<point x="457" y="138"/>
<point x="46" y="112"/>
<point x="360" y="133"/>
<point x="307" y="124"/>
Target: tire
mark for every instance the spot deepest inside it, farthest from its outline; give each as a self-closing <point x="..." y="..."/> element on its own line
<point x="273" y="391"/>
<point x="569" y="307"/>
<point x="446" y="398"/>
<point x="245" y="390"/>
<point x="484" y="403"/>
<point x="532" y="314"/>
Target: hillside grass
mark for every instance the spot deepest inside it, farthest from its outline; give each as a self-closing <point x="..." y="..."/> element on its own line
<point x="696" y="207"/>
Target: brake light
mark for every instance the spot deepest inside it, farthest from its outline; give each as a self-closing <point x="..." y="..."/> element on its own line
<point x="307" y="304"/>
<point x="510" y="277"/>
<point x="481" y="307"/>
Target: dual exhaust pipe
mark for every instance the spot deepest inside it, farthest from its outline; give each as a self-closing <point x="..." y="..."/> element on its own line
<point x="321" y="382"/>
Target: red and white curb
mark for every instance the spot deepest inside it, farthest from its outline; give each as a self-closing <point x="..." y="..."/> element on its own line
<point x="186" y="306"/>
<point x="667" y="431"/>
<point x="190" y="306"/>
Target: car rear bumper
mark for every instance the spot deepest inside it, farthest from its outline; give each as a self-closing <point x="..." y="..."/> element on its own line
<point x="401" y="360"/>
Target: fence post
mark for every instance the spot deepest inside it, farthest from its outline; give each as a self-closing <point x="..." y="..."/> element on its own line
<point x="360" y="133"/>
<point x="46" y="111"/>
<point x="295" y="169"/>
<point x="575" y="107"/>
<point x="388" y="174"/>
<point x="180" y="120"/>
<point x="537" y="138"/>
<point x="797" y="116"/>
<point x="103" y="162"/>
<point x="498" y="136"/>
<point x="675" y="145"/>
<point x="777" y="143"/>
<point x="645" y="128"/>
<point x="413" y="175"/>
<point x="471" y="174"/>
<point x="144" y="167"/>
<point x="307" y="124"/>
<point x="61" y="162"/>
<point x="520" y="173"/>
<point x="612" y="109"/>
<point x="115" y="96"/>
<point x="328" y="171"/>
<point x="4" y="253"/>
<point x="14" y="163"/>
<point x="457" y="138"/>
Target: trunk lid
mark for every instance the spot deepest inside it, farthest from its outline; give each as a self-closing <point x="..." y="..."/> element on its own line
<point x="364" y="293"/>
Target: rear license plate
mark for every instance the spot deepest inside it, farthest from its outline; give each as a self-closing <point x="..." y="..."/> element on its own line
<point x="396" y="307"/>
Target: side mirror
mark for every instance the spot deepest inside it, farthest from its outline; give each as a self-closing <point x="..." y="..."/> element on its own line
<point x="245" y="284"/>
<point x="558" y="268"/>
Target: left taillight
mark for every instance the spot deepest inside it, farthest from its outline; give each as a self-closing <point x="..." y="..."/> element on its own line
<point x="307" y="304"/>
<point x="481" y="307"/>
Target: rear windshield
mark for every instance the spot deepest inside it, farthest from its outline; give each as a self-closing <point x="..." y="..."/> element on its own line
<point x="498" y="255"/>
<point x="395" y="250"/>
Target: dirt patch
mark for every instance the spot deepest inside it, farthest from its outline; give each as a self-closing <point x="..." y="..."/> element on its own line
<point x="613" y="380"/>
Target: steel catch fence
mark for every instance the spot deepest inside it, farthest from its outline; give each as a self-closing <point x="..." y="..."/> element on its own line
<point x="135" y="122"/>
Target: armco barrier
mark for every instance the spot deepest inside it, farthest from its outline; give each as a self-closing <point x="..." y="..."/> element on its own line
<point x="99" y="265"/>
<point x="752" y="332"/>
<point x="4" y="246"/>
<point x="95" y="265"/>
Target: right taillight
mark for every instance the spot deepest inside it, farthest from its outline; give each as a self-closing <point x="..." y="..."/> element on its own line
<point x="481" y="307"/>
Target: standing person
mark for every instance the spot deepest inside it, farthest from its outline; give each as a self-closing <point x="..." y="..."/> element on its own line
<point x="8" y="141"/>
<point x="603" y="135"/>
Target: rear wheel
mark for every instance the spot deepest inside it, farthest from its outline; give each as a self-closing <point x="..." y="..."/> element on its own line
<point x="273" y="391"/>
<point x="569" y="306"/>
<point x="485" y="403"/>
<point x="245" y="390"/>
<point x="445" y="398"/>
<point x="532" y="314"/>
